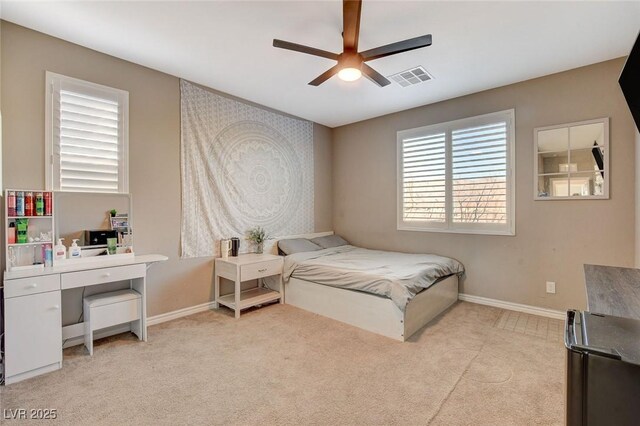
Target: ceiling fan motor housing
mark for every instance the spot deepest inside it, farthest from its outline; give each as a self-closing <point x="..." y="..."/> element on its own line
<point x="350" y="59"/>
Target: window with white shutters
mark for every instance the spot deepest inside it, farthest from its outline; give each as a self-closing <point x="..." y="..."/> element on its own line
<point x="458" y="176"/>
<point x="86" y="136"/>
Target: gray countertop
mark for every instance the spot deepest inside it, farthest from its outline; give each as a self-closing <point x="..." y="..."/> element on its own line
<point x="613" y="291"/>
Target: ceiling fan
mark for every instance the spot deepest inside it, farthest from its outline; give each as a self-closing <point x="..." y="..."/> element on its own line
<point x="351" y="63"/>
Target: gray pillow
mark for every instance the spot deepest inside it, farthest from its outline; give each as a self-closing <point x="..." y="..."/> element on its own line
<point x="296" y="245"/>
<point x="330" y="241"/>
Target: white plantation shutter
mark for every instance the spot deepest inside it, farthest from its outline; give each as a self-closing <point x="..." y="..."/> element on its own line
<point x="479" y="168"/>
<point x="423" y="180"/>
<point x="458" y="176"/>
<point x="88" y="136"/>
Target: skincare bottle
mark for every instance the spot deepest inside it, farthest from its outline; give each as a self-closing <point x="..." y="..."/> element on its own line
<point x="59" y="251"/>
<point x="11" y="233"/>
<point x="74" y="250"/>
<point x="48" y="255"/>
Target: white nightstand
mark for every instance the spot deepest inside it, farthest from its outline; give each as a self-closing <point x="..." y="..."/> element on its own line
<point x="248" y="267"/>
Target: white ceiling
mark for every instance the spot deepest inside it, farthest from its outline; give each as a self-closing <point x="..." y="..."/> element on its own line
<point x="227" y="45"/>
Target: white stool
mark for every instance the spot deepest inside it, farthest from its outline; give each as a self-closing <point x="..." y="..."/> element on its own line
<point x="109" y="309"/>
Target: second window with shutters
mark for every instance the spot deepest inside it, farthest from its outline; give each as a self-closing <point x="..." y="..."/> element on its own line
<point x="458" y="176"/>
<point x="87" y="136"/>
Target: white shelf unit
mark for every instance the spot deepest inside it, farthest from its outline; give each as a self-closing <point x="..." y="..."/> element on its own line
<point x="18" y="255"/>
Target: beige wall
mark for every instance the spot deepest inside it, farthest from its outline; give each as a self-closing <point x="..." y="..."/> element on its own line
<point x="154" y="150"/>
<point x="553" y="238"/>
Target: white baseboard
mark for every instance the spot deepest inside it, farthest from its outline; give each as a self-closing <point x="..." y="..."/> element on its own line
<point x="168" y="316"/>
<point x="527" y="309"/>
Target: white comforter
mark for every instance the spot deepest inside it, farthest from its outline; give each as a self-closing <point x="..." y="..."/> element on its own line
<point x="397" y="276"/>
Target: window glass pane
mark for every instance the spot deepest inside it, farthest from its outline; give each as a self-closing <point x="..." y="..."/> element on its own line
<point x="479" y="174"/>
<point x="423" y="179"/>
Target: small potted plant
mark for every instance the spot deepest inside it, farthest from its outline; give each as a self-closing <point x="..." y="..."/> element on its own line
<point x="257" y="235"/>
<point x="113" y="212"/>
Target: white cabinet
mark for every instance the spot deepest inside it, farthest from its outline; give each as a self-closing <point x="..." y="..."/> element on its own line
<point x="33" y="335"/>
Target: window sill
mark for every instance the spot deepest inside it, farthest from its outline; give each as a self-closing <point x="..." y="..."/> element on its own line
<point x="507" y="233"/>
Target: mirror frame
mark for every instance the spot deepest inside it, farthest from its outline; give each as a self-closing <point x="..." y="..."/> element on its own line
<point x="605" y="160"/>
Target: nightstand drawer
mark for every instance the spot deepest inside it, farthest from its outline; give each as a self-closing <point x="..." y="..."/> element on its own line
<point x="261" y="269"/>
<point x="25" y="286"/>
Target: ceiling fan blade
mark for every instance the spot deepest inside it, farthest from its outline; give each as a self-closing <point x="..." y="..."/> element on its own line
<point x="304" y="49"/>
<point x="325" y="76"/>
<point x="398" y="47"/>
<point x="374" y="75"/>
<point x="351" y="11"/>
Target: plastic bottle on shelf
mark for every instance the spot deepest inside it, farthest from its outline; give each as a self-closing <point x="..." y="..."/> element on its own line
<point x="39" y="210"/>
<point x="47" y="255"/>
<point x="75" y="252"/>
<point x="59" y="251"/>
<point x="22" y="226"/>
<point x="28" y="204"/>
<point x="11" y="233"/>
<point x="48" y="206"/>
<point x="11" y="203"/>
<point x="19" y="203"/>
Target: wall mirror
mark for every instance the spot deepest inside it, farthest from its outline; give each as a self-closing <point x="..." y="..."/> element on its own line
<point x="572" y="161"/>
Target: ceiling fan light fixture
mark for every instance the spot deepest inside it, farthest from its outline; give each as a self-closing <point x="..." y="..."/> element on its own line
<point x="349" y="74"/>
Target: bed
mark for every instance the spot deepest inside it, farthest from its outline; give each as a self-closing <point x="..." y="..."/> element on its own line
<point x="388" y="293"/>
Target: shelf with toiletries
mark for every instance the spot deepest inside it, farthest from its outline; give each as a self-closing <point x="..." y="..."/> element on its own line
<point x="29" y="225"/>
<point x="94" y="227"/>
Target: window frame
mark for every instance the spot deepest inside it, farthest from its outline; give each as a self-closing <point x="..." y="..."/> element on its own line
<point x="54" y="83"/>
<point x="448" y="226"/>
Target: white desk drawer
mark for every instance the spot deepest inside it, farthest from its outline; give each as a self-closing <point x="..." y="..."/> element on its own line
<point x="102" y="275"/>
<point x="33" y="285"/>
<point x="259" y="270"/>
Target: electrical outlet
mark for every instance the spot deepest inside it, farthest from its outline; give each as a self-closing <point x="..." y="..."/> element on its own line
<point x="551" y="287"/>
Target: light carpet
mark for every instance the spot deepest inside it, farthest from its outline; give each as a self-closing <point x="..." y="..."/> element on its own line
<point x="282" y="365"/>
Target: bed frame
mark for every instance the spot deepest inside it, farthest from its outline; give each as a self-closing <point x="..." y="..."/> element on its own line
<point x="370" y="312"/>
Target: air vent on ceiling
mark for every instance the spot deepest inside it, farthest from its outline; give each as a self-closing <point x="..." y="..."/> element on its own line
<point x="412" y="76"/>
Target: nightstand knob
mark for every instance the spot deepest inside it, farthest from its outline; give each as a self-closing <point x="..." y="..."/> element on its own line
<point x="262" y="270"/>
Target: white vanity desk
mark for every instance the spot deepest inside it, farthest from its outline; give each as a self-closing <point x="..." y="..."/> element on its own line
<point x="32" y="310"/>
